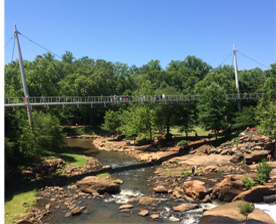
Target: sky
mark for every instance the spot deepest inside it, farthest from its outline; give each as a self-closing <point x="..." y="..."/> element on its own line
<point x="136" y="31"/>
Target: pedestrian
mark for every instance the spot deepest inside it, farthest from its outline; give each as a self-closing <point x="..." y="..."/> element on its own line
<point x="163" y="96"/>
<point x="193" y="170"/>
<point x="155" y="96"/>
<point x="268" y="157"/>
<point x="141" y="97"/>
<point x="144" y="97"/>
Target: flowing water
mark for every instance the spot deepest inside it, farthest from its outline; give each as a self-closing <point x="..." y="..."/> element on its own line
<point x="135" y="176"/>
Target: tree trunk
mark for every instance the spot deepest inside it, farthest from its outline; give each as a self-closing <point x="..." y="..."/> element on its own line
<point x="168" y="126"/>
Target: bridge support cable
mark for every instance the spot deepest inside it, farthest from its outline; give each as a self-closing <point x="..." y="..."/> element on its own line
<point x="23" y="76"/>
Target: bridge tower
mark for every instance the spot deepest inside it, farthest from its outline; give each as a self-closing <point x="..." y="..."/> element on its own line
<point x="23" y="77"/>
<point x="237" y="77"/>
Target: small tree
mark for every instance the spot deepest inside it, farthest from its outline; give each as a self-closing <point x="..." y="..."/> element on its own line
<point x="111" y="121"/>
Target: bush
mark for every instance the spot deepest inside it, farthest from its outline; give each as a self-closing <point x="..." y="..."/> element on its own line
<point x="249" y="183"/>
<point x="263" y="171"/>
<point x="183" y="142"/>
<point x="246" y="208"/>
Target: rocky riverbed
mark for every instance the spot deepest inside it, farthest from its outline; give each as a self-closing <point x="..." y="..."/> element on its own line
<point x="217" y="177"/>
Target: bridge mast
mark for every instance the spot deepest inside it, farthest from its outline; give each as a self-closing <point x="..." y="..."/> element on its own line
<point x="23" y="77"/>
<point x="237" y="77"/>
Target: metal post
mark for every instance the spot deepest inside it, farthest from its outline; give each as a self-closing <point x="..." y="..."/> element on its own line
<point x="23" y="76"/>
<point x="237" y="77"/>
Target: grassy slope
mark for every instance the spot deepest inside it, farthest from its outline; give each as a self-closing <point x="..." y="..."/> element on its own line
<point x="21" y="202"/>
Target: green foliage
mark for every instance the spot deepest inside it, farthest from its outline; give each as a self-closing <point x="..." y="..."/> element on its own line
<point x="246" y="208"/>
<point x="245" y="118"/>
<point x="213" y="107"/>
<point x="250" y="183"/>
<point x="263" y="171"/>
<point x="186" y="173"/>
<point x="182" y="142"/>
<point x="111" y="121"/>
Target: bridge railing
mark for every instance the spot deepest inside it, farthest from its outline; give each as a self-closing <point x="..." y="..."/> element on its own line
<point x="59" y="100"/>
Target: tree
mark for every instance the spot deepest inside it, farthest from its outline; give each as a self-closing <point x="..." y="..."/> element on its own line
<point x="111" y="121"/>
<point x="245" y="118"/>
<point x="213" y="108"/>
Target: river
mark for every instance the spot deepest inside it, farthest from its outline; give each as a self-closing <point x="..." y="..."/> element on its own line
<point x="135" y="176"/>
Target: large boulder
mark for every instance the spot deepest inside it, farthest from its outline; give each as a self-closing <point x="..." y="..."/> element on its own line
<point x="260" y="216"/>
<point x="160" y="189"/>
<point x="229" y="211"/>
<point x="256" y="193"/>
<point x="270" y="198"/>
<point x="92" y="184"/>
<point x="255" y="156"/>
<point x="228" y="188"/>
<point x="194" y="190"/>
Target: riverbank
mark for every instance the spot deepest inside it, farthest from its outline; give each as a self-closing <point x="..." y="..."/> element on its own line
<point x="173" y="169"/>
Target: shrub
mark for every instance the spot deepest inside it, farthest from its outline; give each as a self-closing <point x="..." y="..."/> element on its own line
<point x="245" y="208"/>
<point x="182" y="142"/>
<point x="249" y="183"/>
<point x="263" y="171"/>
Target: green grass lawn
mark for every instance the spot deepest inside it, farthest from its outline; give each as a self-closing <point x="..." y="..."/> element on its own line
<point x="198" y="130"/>
<point x="21" y="201"/>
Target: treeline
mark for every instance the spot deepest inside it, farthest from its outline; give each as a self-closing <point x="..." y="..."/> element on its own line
<point x="47" y="76"/>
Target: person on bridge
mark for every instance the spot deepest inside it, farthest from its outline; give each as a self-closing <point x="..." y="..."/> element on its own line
<point x="26" y="99"/>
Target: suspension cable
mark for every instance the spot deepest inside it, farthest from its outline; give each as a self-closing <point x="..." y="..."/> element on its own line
<point x="13" y="48"/>
<point x="226" y="59"/>
<point x="8" y="41"/>
<point x="40" y="46"/>
<point x="253" y="60"/>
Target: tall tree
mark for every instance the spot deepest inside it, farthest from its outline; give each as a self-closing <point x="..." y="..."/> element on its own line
<point x="213" y="108"/>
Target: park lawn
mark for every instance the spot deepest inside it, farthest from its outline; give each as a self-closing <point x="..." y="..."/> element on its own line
<point x="21" y="202"/>
<point x="19" y="205"/>
<point x="198" y="130"/>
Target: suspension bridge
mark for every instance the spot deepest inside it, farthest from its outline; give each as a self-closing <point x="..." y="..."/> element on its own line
<point x="90" y="100"/>
<point x="30" y="102"/>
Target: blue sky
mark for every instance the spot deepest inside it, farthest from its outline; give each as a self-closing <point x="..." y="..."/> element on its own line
<point x="136" y="31"/>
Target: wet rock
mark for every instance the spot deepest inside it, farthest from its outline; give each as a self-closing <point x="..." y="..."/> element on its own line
<point x="148" y="201"/>
<point x="133" y="200"/>
<point x="143" y="213"/>
<point x="260" y="216"/>
<point x="125" y="207"/>
<point x="207" y="199"/>
<point x="91" y="184"/>
<point x="47" y="207"/>
<point x="183" y="208"/>
<point x="270" y="198"/>
<point x="77" y="210"/>
<point x="154" y="216"/>
<point x="126" y="210"/>
<point x="160" y="189"/>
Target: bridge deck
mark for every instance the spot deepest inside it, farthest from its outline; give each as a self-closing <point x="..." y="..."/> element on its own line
<point x="76" y="100"/>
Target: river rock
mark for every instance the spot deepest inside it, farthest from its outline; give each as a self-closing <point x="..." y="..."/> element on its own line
<point x="91" y="184"/>
<point x="148" y="201"/>
<point x="160" y="189"/>
<point x="183" y="208"/>
<point x="255" y="156"/>
<point x="133" y="200"/>
<point x="76" y="211"/>
<point x="256" y="193"/>
<point x="229" y="210"/>
<point x="125" y="207"/>
<point x="260" y="216"/>
<point x="270" y="198"/>
<point x="228" y="188"/>
<point x="194" y="190"/>
<point x="143" y="213"/>
<point x="154" y="216"/>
